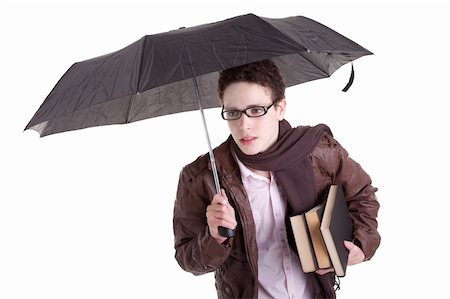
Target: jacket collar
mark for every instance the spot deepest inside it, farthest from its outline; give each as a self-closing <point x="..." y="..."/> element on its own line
<point x="226" y="165"/>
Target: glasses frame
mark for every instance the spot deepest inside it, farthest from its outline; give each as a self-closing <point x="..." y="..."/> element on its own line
<point x="265" y="108"/>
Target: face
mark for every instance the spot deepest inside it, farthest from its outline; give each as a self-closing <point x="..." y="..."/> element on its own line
<point x="257" y="134"/>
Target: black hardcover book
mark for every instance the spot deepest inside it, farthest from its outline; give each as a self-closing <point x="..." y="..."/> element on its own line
<point x="337" y="226"/>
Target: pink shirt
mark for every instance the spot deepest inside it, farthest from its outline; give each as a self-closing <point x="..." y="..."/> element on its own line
<point x="280" y="274"/>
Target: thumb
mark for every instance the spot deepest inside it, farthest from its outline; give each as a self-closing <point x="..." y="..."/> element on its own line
<point x="349" y="245"/>
<point x="222" y="192"/>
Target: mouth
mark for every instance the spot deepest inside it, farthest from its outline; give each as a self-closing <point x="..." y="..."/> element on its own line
<point x="247" y="140"/>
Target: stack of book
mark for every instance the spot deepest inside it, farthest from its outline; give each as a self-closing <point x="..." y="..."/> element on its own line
<point x="320" y="233"/>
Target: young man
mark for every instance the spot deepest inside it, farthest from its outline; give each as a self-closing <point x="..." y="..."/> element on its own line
<point x="268" y="172"/>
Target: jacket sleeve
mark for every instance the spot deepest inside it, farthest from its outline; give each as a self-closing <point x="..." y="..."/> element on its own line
<point x="362" y="201"/>
<point x="195" y="250"/>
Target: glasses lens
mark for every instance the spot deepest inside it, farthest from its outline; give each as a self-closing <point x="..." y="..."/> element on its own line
<point x="255" y="111"/>
<point x="231" y="114"/>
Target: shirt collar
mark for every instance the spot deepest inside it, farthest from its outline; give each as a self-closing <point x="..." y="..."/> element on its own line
<point x="247" y="173"/>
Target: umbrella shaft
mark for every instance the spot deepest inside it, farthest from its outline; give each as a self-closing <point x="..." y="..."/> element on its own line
<point x="223" y="231"/>
<point x="205" y="127"/>
<point x="211" y="154"/>
<point x="214" y="170"/>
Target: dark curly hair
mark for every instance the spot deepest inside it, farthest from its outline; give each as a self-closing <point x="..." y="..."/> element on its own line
<point x="264" y="73"/>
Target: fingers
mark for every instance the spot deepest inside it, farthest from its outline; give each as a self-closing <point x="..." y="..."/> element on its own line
<point x="220" y="198"/>
<point x="220" y="213"/>
<point x="220" y="207"/>
<point x="355" y="255"/>
<point x="349" y="245"/>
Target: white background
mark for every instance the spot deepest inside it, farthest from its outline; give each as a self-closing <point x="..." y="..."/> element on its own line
<point x="88" y="214"/>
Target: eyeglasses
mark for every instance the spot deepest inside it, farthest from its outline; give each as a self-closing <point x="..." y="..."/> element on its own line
<point x="254" y="111"/>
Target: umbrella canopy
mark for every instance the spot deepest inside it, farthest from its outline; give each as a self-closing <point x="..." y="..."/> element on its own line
<point x="178" y="71"/>
<point x="175" y="71"/>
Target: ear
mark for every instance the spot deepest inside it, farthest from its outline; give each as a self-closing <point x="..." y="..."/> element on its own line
<point x="280" y="108"/>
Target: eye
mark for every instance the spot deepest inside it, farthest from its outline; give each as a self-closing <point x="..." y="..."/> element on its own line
<point x="256" y="111"/>
<point x="232" y="113"/>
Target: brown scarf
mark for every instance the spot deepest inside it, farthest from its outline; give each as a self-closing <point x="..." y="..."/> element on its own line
<point x="287" y="159"/>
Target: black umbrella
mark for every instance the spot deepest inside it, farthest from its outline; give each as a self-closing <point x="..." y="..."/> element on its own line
<point x="178" y="70"/>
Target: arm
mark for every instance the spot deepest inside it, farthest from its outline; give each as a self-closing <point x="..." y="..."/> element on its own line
<point x="196" y="251"/>
<point x="360" y="194"/>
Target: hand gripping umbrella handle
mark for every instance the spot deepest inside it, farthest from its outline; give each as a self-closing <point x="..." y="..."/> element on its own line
<point x="223" y="231"/>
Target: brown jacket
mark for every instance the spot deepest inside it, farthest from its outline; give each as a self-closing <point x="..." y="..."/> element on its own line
<point x="236" y="263"/>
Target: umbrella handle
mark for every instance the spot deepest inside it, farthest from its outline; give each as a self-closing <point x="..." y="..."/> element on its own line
<point x="226" y="232"/>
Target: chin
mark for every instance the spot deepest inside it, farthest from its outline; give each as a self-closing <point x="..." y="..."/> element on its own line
<point x="249" y="151"/>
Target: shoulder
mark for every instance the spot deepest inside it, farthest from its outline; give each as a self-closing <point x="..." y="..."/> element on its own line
<point x="192" y="181"/>
<point x="328" y="152"/>
<point x="327" y="143"/>
<point x="196" y="167"/>
<point x="201" y="166"/>
<point x="196" y="178"/>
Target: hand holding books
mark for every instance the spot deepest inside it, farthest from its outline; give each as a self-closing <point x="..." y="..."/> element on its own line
<point x="355" y="256"/>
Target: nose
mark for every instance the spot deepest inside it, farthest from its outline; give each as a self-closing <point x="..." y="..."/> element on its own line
<point x="245" y="122"/>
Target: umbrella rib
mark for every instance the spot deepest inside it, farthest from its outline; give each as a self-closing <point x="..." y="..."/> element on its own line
<point x="300" y="53"/>
<point x="312" y="62"/>
<point x="130" y="103"/>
